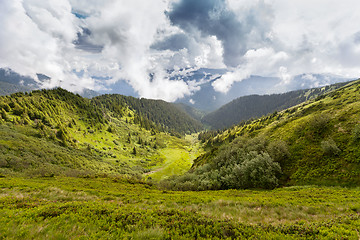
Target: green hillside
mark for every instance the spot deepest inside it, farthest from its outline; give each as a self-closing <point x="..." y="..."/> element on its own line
<point x="191" y="111"/>
<point x="313" y="143"/>
<point x="255" y="106"/>
<point x="166" y="116"/>
<point x="55" y="132"/>
<point x="74" y="168"/>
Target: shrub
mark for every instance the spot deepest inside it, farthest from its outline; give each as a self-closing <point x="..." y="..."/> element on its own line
<point x="356" y="132"/>
<point x="4" y="115"/>
<point x="319" y="123"/>
<point x="258" y="171"/>
<point x="242" y="164"/>
<point x="278" y="150"/>
<point x="329" y="147"/>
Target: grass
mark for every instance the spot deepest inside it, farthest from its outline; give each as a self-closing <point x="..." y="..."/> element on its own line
<point x="93" y="150"/>
<point x="104" y="208"/>
<point x="178" y="161"/>
<point x="178" y="157"/>
<point x="61" y="133"/>
<point x="318" y="134"/>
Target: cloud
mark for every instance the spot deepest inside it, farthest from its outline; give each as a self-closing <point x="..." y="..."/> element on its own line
<point x="37" y="37"/>
<point x="155" y="45"/>
<point x="263" y="61"/>
<point x="215" y="18"/>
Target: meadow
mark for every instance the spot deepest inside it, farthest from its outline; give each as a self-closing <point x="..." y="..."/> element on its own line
<point x="119" y="208"/>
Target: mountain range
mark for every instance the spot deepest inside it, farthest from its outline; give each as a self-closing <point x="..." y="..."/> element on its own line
<point x="206" y="99"/>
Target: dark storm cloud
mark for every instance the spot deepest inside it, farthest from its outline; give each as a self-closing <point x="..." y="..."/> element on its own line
<point x="214" y="18"/>
<point x="83" y="42"/>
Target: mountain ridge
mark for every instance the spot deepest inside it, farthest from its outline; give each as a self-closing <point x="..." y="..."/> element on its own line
<point x="255" y="106"/>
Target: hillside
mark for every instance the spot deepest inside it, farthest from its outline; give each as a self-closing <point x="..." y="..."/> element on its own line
<point x="9" y="88"/>
<point x="166" y="116"/>
<point x="75" y="168"/>
<point x="312" y="143"/>
<point x="191" y="111"/>
<point x="55" y="132"/>
<point x="255" y="106"/>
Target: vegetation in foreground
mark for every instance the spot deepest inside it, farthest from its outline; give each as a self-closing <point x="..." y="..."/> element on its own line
<point x="105" y="208"/>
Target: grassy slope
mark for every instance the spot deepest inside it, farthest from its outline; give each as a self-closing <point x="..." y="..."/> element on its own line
<point x="73" y="208"/>
<point x="319" y="135"/>
<point x="93" y="140"/>
<point x="255" y="106"/>
<point x="179" y="158"/>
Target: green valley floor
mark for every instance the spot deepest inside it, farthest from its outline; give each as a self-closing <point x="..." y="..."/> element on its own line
<point x="117" y="208"/>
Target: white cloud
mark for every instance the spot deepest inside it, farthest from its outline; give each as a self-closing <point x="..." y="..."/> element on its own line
<point x="305" y="37"/>
<point x="275" y="38"/>
<point x="263" y="61"/>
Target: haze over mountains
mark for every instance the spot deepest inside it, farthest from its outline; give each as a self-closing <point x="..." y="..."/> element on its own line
<point x="205" y="98"/>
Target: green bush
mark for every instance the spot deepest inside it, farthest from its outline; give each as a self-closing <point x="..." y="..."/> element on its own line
<point x="356" y="132"/>
<point x="329" y="147"/>
<point x="319" y="123"/>
<point x="258" y="171"/>
<point x="278" y="151"/>
<point x="240" y="165"/>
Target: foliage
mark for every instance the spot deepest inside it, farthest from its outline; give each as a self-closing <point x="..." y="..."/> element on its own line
<point x="70" y="208"/>
<point x="314" y="143"/>
<point x="329" y="147"/>
<point x="150" y="114"/>
<point x="255" y="106"/>
<point x="278" y="150"/>
<point x="243" y="164"/>
<point x="356" y="132"/>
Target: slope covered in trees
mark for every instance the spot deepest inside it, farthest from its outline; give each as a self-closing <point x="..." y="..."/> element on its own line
<point x="166" y="116"/>
<point x="313" y="143"/>
<point x="255" y="106"/>
<point x="55" y="132"/>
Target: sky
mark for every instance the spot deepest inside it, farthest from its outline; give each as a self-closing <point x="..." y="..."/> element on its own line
<point x="146" y="43"/>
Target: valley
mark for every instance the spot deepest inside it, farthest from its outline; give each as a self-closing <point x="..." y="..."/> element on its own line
<point x="179" y="120"/>
<point x="116" y="167"/>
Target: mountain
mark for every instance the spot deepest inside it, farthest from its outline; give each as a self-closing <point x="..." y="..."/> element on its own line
<point x="56" y="132"/>
<point x="9" y="76"/>
<point x="163" y="115"/>
<point x="205" y="98"/>
<point x="208" y="100"/>
<point x="191" y="111"/>
<point x="9" y="88"/>
<point x="255" y="106"/>
<point x="316" y="142"/>
<point x="12" y="82"/>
